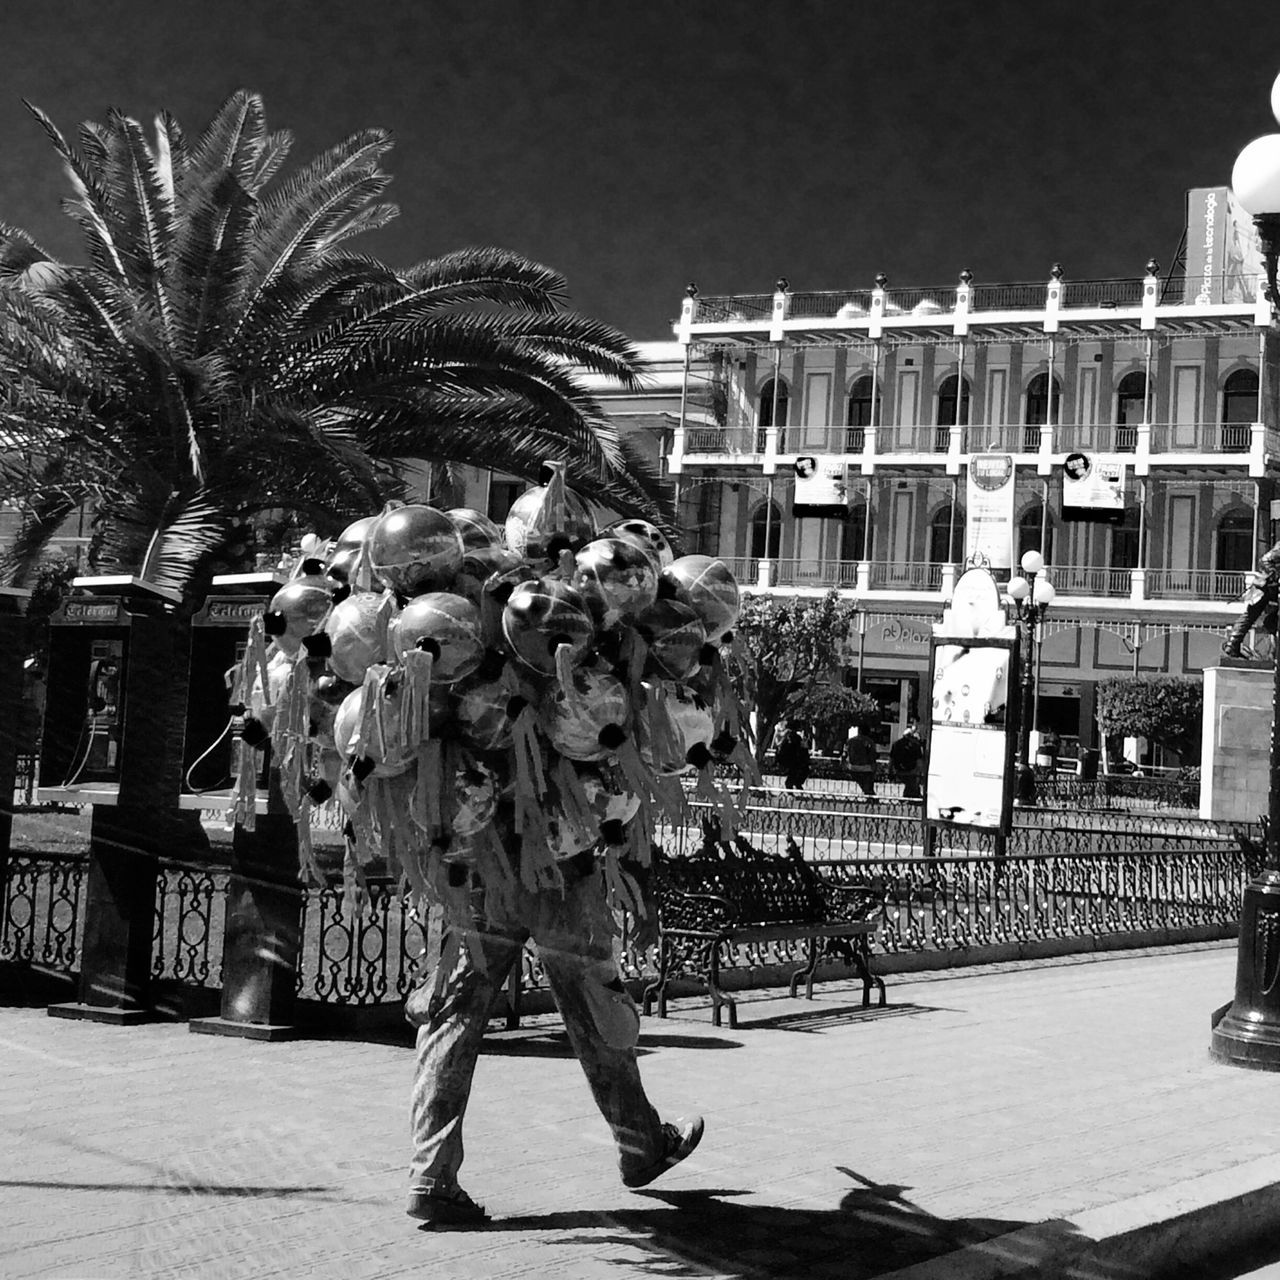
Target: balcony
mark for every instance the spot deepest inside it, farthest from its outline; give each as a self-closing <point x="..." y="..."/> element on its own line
<point x="1166" y="440"/>
<point x="1094" y="581"/>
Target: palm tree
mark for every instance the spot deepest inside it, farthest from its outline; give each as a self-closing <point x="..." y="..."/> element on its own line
<point x="224" y="354"/>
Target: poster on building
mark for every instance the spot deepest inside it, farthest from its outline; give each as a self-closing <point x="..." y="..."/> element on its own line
<point x="821" y="486"/>
<point x="989" y="517"/>
<point x="1224" y="261"/>
<point x="969" y="774"/>
<point x="1093" y="486"/>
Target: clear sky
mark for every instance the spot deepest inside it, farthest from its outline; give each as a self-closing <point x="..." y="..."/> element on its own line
<point x="636" y="146"/>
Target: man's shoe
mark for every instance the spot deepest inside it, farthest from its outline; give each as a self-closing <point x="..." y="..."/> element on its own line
<point x="446" y="1208"/>
<point x="678" y="1143"/>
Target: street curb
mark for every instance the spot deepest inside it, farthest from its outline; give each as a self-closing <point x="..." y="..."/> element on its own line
<point x="1195" y="1223"/>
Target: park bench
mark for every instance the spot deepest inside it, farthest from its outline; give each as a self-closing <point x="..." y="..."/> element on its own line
<point x="735" y="895"/>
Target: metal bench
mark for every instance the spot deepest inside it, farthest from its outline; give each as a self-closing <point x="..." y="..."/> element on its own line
<point x="736" y="895"/>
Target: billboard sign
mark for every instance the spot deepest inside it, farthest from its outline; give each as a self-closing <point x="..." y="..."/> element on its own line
<point x="1224" y="261"/>
<point x="989" y="519"/>
<point x="821" y="486"/>
<point x="1093" y="486"/>
<point x="969" y="776"/>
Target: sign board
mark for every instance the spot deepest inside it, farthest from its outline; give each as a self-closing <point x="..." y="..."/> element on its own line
<point x="821" y="486"/>
<point x="969" y="777"/>
<point x="1093" y="486"/>
<point x="989" y="519"/>
<point x="1224" y="261"/>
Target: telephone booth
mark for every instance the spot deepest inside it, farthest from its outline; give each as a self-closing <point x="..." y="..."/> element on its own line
<point x="263" y="909"/>
<point x="114" y="683"/>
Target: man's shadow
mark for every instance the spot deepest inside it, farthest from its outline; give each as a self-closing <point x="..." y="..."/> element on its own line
<point x="875" y="1228"/>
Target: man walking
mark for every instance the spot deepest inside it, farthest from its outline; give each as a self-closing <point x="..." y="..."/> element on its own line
<point x="906" y="758"/>
<point x="860" y="752"/>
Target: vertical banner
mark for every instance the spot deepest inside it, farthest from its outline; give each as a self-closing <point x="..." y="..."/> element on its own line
<point x="969" y="778"/>
<point x="1224" y="261"/>
<point x="989" y="518"/>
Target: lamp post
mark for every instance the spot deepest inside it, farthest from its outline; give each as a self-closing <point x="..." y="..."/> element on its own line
<point x="1247" y="1033"/>
<point x="1032" y="593"/>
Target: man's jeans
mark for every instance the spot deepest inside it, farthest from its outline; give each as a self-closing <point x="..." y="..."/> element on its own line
<point x="573" y="931"/>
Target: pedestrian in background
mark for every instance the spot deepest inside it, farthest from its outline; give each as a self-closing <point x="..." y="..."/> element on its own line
<point x="906" y="759"/>
<point x="860" y="752"/>
<point x="793" y="760"/>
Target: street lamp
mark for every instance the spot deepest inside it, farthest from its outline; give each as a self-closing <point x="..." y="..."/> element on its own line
<point x="1248" y="1033"/>
<point x="1032" y="593"/>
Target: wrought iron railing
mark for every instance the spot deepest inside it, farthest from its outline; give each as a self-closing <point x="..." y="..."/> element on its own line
<point x="41" y="916"/>
<point x="815" y="573"/>
<point x="1090" y="580"/>
<point x="906" y="575"/>
<point x="1195" y="584"/>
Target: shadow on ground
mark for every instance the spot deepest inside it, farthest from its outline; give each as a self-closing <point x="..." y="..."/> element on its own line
<point x="820" y="1018"/>
<point x="876" y="1228"/>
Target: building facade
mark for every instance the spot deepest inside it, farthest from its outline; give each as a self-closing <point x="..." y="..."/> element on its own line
<point x="893" y="394"/>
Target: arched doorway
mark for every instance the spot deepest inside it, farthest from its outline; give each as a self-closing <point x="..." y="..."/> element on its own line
<point x="771" y="411"/>
<point x="1239" y="410"/>
<point x="1131" y="402"/>
<point x="1036" y="413"/>
<point x="948" y="392"/>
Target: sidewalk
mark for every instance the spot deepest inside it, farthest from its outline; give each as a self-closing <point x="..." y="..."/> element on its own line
<point x="988" y="1122"/>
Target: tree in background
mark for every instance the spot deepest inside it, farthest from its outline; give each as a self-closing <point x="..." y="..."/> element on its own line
<point x="223" y="356"/>
<point x="1161" y="708"/>
<point x="787" y="647"/>
<point x="832" y="709"/>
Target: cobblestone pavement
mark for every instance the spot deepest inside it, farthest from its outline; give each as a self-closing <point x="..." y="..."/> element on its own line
<point x="840" y="1142"/>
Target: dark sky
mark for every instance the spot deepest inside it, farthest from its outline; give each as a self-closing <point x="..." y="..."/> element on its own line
<point x="638" y="145"/>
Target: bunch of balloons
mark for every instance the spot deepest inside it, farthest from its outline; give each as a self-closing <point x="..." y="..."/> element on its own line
<point x="434" y="671"/>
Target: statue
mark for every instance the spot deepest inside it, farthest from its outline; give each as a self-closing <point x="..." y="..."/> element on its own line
<point x="1261" y="599"/>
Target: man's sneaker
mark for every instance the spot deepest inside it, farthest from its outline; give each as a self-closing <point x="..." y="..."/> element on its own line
<point x="677" y="1143"/>
<point x="446" y="1208"/>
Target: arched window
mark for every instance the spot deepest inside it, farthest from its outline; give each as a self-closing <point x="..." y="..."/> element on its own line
<point x="946" y="543"/>
<point x="1233" y="550"/>
<point x="1034" y="534"/>
<point x="769" y="413"/>
<point x="947" y="410"/>
<point x="1239" y="409"/>
<point x="1131" y="399"/>
<point x="766" y="531"/>
<point x="1036" y="414"/>
<point x="858" y="418"/>
<point x="1123" y="553"/>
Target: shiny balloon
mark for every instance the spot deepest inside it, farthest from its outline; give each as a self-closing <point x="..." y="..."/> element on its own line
<point x="341" y="566"/>
<point x="446" y="626"/>
<point x="607" y="793"/>
<point x="475" y="529"/>
<point x="542" y="615"/>
<point x="591" y="721"/>
<point x="481" y="714"/>
<point x="354" y="633"/>
<point x="529" y="529"/>
<point x="389" y="758"/>
<point x="648" y="537"/>
<point x="296" y="611"/>
<point x="479" y="565"/>
<point x="355" y="534"/>
<point x="415" y="548"/>
<point x="476" y="791"/>
<point x="618" y="579"/>
<point x="675" y="636"/>
<point x="708" y="587"/>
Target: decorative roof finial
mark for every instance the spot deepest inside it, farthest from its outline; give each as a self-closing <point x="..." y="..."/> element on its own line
<point x="1153" y="267"/>
<point x="1055" y="272"/>
<point x="783" y="284"/>
<point x="966" y="276"/>
<point x="691" y="289"/>
<point x="881" y="280"/>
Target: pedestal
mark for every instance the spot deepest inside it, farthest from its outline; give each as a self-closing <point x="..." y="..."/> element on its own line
<point x="262" y="934"/>
<point x="119" y="907"/>
<point x="1248" y="1033"/>
<point x="1235" y="765"/>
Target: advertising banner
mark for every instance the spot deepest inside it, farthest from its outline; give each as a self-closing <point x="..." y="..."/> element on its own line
<point x="821" y="486"/>
<point x="968" y="780"/>
<point x="989" y="528"/>
<point x="1093" y="486"/>
<point x="1224" y="261"/>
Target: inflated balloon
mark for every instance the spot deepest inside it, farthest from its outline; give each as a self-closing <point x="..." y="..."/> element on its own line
<point x="357" y="635"/>
<point x="708" y="587"/>
<point x="414" y="548"/>
<point x="675" y="636"/>
<point x="541" y="616"/>
<point x="677" y="736"/>
<point x="618" y="579"/>
<point x="607" y="794"/>
<point x="648" y="537"/>
<point x="355" y="534"/>
<point x="532" y="533"/>
<point x="475" y="528"/>
<point x="476" y="789"/>
<point x="590" y="720"/>
<point x="446" y="626"/>
<point x="481" y="564"/>
<point x="564" y="836"/>
<point x="383" y="748"/>
<point x="296" y="611"/>
<point x="481" y="713"/>
<point x="341" y="565"/>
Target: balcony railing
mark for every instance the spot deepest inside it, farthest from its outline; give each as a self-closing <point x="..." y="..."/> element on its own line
<point x="906" y="576"/>
<point x="1195" y="584"/>
<point x="1080" y="580"/>
<point x="1166" y="438"/>
<point x="815" y="573"/>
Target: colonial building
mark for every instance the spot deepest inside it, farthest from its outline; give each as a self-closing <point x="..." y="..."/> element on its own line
<point x="891" y="394"/>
